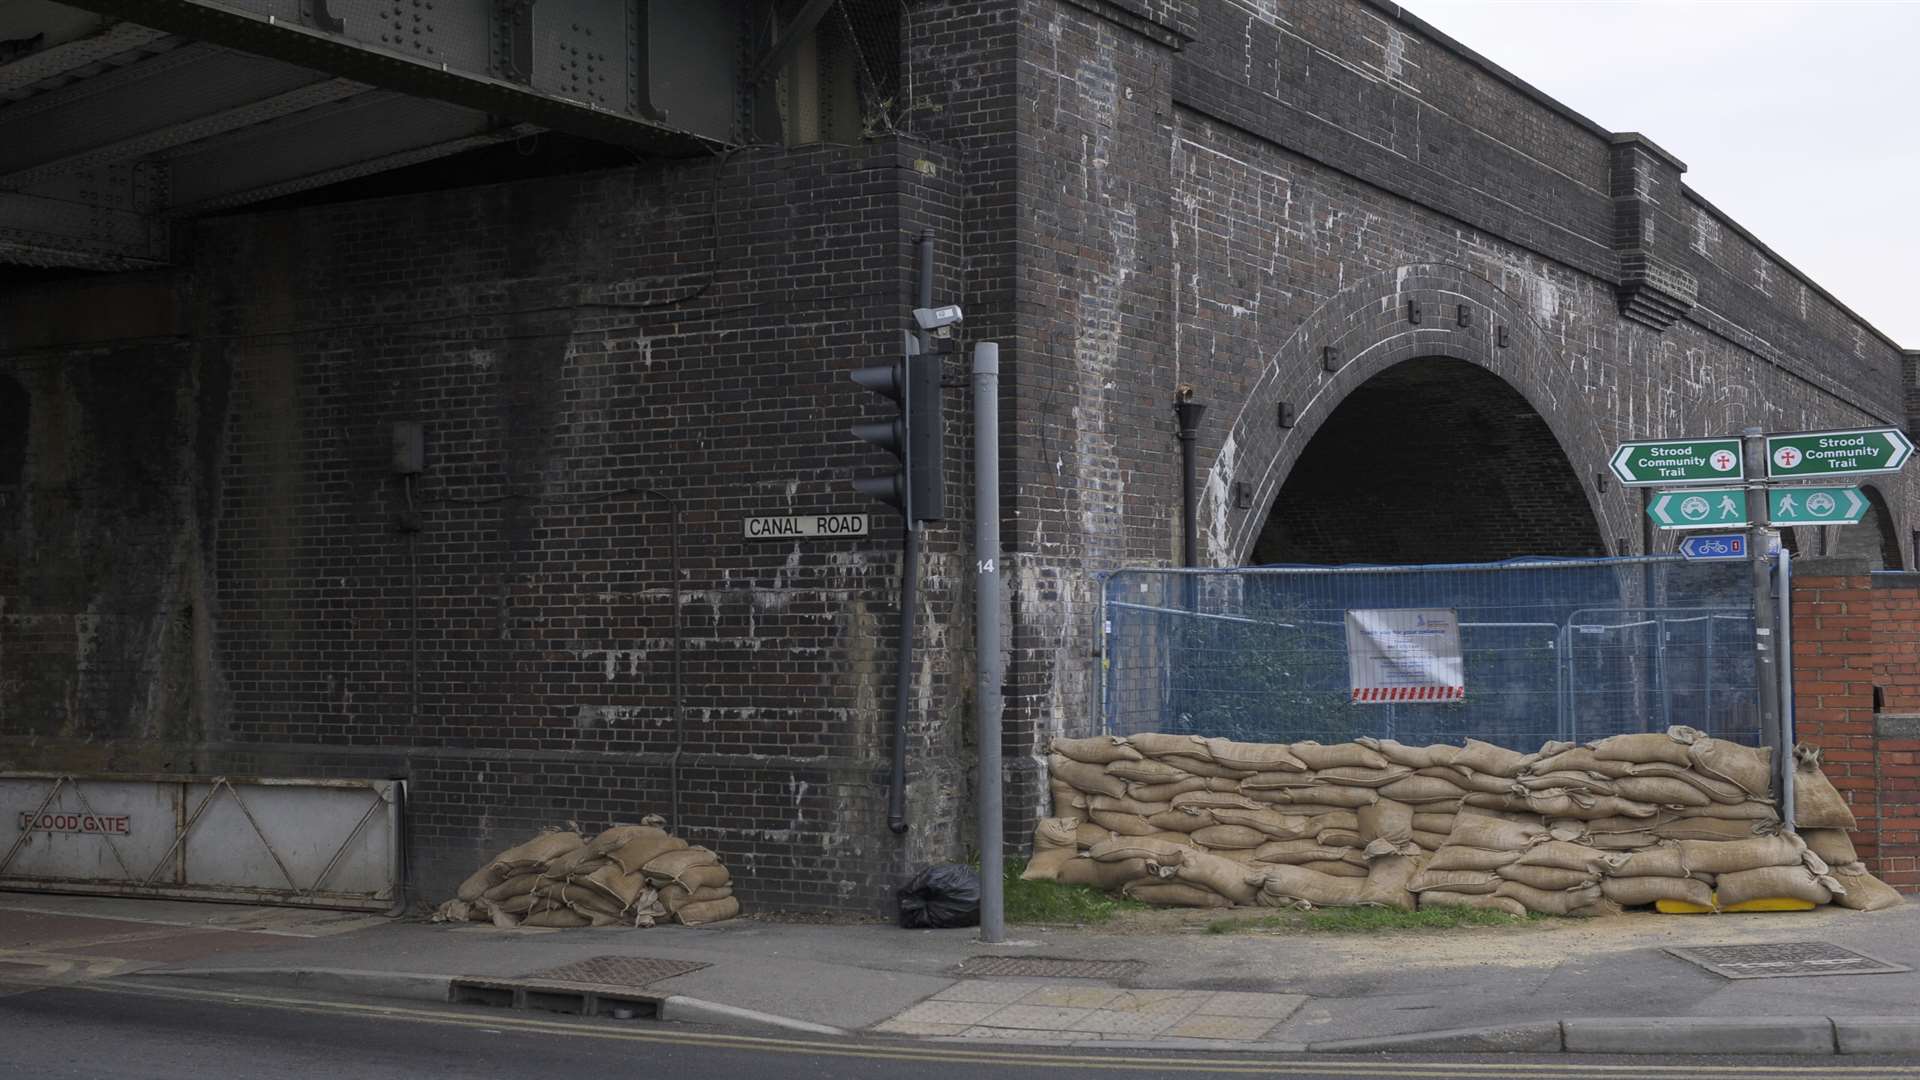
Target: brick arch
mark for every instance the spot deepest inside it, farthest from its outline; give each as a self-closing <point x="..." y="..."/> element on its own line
<point x="1368" y="322"/>
<point x="1876" y="538"/>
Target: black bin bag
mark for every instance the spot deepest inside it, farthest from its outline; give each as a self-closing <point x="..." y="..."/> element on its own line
<point x="940" y="897"/>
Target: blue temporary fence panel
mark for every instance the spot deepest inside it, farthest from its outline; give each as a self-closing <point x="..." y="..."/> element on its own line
<point x="1551" y="649"/>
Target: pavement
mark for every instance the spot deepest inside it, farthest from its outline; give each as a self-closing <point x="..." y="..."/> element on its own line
<point x="1580" y="986"/>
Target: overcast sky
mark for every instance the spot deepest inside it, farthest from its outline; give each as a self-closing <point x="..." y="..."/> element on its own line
<point x="1798" y="118"/>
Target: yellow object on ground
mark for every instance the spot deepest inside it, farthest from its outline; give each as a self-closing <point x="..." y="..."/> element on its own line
<point x="1776" y="903"/>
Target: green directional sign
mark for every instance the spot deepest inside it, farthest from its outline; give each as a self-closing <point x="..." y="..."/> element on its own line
<point x="1678" y="461"/>
<point x="1816" y="506"/>
<point x="1837" y="453"/>
<point x="1699" y="508"/>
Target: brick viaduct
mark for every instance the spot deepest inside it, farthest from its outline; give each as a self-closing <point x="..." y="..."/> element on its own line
<point x="207" y="565"/>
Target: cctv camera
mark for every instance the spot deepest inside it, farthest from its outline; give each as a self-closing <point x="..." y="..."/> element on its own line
<point x="938" y="318"/>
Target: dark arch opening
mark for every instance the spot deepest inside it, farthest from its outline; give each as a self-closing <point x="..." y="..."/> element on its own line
<point x="1430" y="461"/>
<point x="14" y="414"/>
<point x="1873" y="538"/>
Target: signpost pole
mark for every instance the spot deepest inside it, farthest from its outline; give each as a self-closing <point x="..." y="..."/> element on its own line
<point x="987" y="702"/>
<point x="1760" y="552"/>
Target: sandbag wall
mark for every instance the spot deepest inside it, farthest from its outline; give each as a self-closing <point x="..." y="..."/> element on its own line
<point x="1625" y="821"/>
<point x="629" y="875"/>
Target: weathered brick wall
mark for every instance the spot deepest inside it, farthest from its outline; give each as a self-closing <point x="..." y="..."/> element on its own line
<point x="1896" y="671"/>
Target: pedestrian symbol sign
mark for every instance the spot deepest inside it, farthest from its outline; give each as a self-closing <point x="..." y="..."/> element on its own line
<point x="1816" y="506"/>
<point x="1699" y="508"/>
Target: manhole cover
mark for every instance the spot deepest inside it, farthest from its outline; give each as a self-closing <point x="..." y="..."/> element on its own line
<point x="617" y="971"/>
<point x="1047" y="967"/>
<point x="1783" y="959"/>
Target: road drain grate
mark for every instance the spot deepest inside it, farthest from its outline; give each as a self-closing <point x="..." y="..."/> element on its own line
<point x="617" y="970"/>
<point x="1782" y="960"/>
<point x="1046" y="967"/>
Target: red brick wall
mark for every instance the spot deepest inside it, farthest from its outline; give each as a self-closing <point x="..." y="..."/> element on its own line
<point x="1851" y="632"/>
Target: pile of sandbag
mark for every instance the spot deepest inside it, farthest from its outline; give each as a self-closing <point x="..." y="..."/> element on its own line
<point x="1569" y="830"/>
<point x="629" y="875"/>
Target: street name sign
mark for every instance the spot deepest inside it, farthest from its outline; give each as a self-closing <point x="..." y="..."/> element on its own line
<point x="1831" y="453"/>
<point x="1707" y="547"/>
<point x="1678" y="461"/>
<point x="788" y="528"/>
<point x="1816" y="506"/>
<point x="1699" y="508"/>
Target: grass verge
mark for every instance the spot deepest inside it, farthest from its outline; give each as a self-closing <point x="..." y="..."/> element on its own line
<point x="1052" y="902"/>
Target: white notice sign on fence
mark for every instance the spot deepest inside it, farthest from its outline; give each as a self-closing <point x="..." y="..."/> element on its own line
<point x="1405" y="654"/>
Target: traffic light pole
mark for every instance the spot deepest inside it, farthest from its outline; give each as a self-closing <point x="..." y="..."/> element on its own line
<point x="1760" y="543"/>
<point x="909" y="571"/>
<point x="987" y="702"/>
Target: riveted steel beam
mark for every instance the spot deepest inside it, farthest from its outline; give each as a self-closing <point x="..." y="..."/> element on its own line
<point x="791" y="37"/>
<point x="69" y="56"/>
<point x="266" y="35"/>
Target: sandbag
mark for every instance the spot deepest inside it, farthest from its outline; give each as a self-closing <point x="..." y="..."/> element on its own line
<point x="1429" y="841"/>
<point x="614" y="837"/>
<point x="1548" y="878"/>
<point x="1125" y="805"/>
<point x="1255" y="757"/>
<point x="1833" y="845"/>
<point x="1569" y="902"/>
<point x="1166" y="792"/>
<point x="1570" y="856"/>
<point x="623" y="888"/>
<point x="1333" y="867"/>
<point x="710" y="911"/>
<point x="1386" y="884"/>
<point x="562" y="918"/>
<point x="1186" y="819"/>
<point x="1063" y="796"/>
<point x="513" y="905"/>
<point x="1339" y="755"/>
<point x="1423" y="791"/>
<point x="1350" y="798"/>
<point x="1092" y="779"/>
<point x="1581" y="759"/>
<point x="1465" y="882"/>
<point x="1485" y="757"/>
<point x="1817" y="804"/>
<point x="1569" y="780"/>
<point x="1173" y="894"/>
<point x="517" y="885"/>
<point x="1769" y="882"/>
<point x="1732" y="856"/>
<point x="1286" y="886"/>
<point x="1357" y="776"/>
<point x="1202" y="766"/>
<point x="477" y="884"/>
<point x="1413" y="757"/>
<point x="1488" y="902"/>
<point x="1209" y="800"/>
<point x="1434" y="823"/>
<point x="1748" y="768"/>
<point x="1278" y="823"/>
<point x="1661" y="791"/>
<point x="1097" y="750"/>
<point x="1225" y="877"/>
<point x="1340" y="837"/>
<point x="1748" y="810"/>
<point x="1712" y="787"/>
<point x="1864" y="892"/>
<point x="1667" y="859"/>
<point x="1229" y="836"/>
<point x="1623" y="841"/>
<point x="669" y="866"/>
<point x="1087" y="834"/>
<point x="1105" y="876"/>
<point x="1386" y="820"/>
<point x="1154" y="744"/>
<point x="1460" y="857"/>
<point x="675" y="897"/>
<point x="536" y="853"/>
<point x="1123" y="824"/>
<point x="1121" y="848"/>
<point x="1303" y="850"/>
<point x="1495" y="834"/>
<point x="1276" y="781"/>
<point x="1640" y="891"/>
<point x="1145" y="772"/>
<point x="1646" y="746"/>
<point x="643" y="849"/>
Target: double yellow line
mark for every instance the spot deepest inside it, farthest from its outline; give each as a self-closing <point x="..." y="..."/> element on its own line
<point x="1130" y="1061"/>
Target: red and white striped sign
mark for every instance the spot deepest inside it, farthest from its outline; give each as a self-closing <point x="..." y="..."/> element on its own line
<point x="1410" y="693"/>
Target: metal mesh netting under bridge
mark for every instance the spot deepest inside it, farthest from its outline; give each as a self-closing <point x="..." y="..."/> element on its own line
<point x="1547" y="649"/>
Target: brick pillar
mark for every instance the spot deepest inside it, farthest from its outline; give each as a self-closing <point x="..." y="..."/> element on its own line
<point x="1833" y="677"/>
<point x="1896" y="669"/>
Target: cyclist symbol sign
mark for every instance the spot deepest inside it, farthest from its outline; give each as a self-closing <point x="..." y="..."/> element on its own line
<point x="1702" y="508"/>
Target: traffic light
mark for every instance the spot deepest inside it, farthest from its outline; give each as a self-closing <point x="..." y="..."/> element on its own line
<point x="916" y="435"/>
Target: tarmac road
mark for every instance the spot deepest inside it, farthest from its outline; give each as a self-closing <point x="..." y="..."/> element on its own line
<point x="102" y="1030"/>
